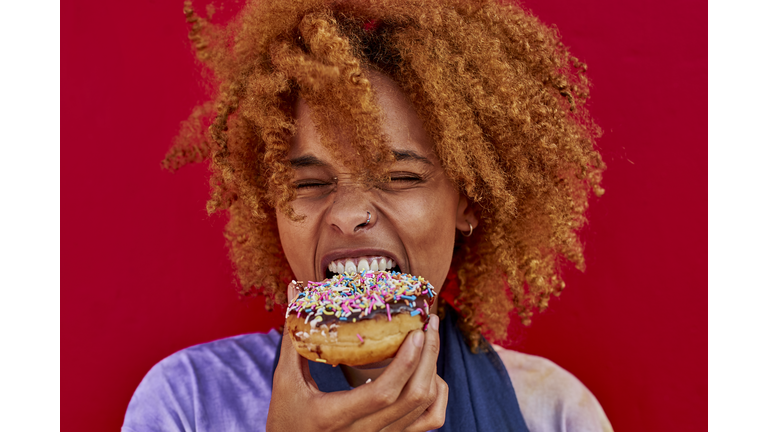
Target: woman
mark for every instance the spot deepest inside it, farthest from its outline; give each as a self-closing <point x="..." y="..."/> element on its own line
<point x="450" y="139"/>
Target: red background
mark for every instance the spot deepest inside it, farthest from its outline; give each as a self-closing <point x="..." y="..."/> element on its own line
<point x="145" y="273"/>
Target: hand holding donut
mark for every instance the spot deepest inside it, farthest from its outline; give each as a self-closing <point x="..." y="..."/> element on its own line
<point x="408" y="396"/>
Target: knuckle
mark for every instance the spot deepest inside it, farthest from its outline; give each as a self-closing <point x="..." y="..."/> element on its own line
<point x="386" y="398"/>
<point x="431" y="394"/>
<point x="434" y="391"/>
<point x="436" y="420"/>
<point x="443" y="386"/>
<point x="432" y="348"/>
<point x="419" y="395"/>
<point x="324" y="423"/>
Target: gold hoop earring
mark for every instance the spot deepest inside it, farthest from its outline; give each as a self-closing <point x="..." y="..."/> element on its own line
<point x="470" y="230"/>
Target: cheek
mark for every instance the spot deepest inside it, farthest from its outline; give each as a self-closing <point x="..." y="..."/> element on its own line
<point x="294" y="238"/>
<point x="430" y="229"/>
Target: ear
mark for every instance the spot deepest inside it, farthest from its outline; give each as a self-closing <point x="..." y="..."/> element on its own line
<point x="465" y="215"/>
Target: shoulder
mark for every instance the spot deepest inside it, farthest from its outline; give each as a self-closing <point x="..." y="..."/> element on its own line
<point x="551" y="398"/>
<point x="217" y="361"/>
<point x="202" y="386"/>
<point x="253" y="349"/>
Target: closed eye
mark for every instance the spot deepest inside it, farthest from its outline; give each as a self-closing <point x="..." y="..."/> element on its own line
<point x="311" y="184"/>
<point x="405" y="177"/>
<point x="400" y="181"/>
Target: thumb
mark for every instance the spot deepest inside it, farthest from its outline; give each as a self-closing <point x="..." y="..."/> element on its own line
<point x="291" y="365"/>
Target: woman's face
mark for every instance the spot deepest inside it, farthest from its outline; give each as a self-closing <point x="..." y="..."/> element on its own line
<point x="412" y="219"/>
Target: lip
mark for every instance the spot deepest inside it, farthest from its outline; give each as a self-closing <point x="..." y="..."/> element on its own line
<point x="345" y="253"/>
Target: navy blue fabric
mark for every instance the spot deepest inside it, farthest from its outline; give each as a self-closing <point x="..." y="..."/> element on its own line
<point x="328" y="378"/>
<point x="481" y="396"/>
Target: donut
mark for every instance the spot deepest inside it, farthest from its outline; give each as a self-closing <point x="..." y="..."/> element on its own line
<point x="357" y="319"/>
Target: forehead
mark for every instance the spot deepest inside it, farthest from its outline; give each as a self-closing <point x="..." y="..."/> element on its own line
<point x="400" y="123"/>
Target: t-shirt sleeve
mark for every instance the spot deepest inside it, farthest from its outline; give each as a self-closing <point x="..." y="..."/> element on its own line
<point x="219" y="386"/>
<point x="550" y="398"/>
<point x="163" y="400"/>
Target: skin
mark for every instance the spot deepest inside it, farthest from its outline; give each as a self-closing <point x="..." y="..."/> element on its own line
<point x="413" y="220"/>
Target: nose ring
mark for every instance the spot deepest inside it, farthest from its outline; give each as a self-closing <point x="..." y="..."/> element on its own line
<point x="368" y="220"/>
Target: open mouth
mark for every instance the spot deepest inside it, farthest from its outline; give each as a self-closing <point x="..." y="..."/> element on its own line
<point x="360" y="264"/>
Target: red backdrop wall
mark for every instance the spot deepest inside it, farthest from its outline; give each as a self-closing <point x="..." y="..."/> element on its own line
<point x="144" y="271"/>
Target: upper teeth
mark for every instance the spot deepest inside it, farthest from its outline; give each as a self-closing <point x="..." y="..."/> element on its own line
<point x="363" y="264"/>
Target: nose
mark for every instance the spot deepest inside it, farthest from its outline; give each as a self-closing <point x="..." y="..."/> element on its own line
<point x="351" y="210"/>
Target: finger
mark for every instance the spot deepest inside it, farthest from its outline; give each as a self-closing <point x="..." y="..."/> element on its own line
<point x="291" y="366"/>
<point x="415" y="409"/>
<point x="292" y="291"/>
<point x="297" y="362"/>
<point x="289" y="388"/>
<point x="425" y="372"/>
<point x="418" y="390"/>
<point x="434" y="416"/>
<point x="419" y="393"/>
<point x="386" y="389"/>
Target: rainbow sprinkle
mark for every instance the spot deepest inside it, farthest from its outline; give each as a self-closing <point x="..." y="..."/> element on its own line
<point x="359" y="296"/>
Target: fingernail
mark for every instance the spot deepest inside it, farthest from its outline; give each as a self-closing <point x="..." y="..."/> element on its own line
<point x="434" y="322"/>
<point x="418" y="339"/>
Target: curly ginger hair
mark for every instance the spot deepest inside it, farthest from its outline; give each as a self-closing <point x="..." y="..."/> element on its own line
<point x="500" y="95"/>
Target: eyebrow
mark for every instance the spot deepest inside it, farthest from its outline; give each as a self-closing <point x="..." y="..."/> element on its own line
<point x="307" y="161"/>
<point x="400" y="155"/>
<point x="407" y="155"/>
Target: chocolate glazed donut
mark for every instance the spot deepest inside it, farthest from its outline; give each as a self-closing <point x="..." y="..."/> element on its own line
<point x="357" y="319"/>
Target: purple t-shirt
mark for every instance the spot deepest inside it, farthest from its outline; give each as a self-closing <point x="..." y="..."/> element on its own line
<point x="219" y="386"/>
<point x="226" y="386"/>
